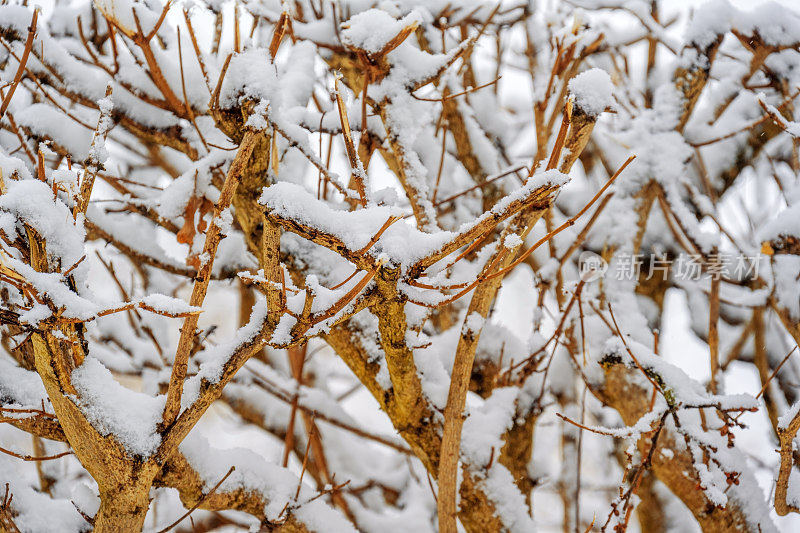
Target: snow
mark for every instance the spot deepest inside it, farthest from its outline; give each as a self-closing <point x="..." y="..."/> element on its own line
<point x="508" y="500"/>
<point x="86" y="499"/>
<point x="776" y="24"/>
<point x="593" y="91"/>
<point x="167" y="304"/>
<point x="250" y="75"/>
<point x="403" y="244"/>
<point x="473" y="323"/>
<point x="433" y="375"/>
<point x="32" y="201"/>
<point x="130" y="417"/>
<point x="354" y="229"/>
<point x="19" y="387"/>
<point x="786" y="269"/>
<point x="481" y="442"/>
<point x="213" y="359"/>
<point x="35" y="511"/>
<point x="372" y="29"/>
<point x="787" y="417"/>
<point x="172" y="200"/>
<point x="125" y="14"/>
<point x="252" y="472"/>
<point x="785" y="224"/>
<point x="484" y="427"/>
<point x="678" y="387"/>
<point x="98" y="153"/>
<point x="512" y="240"/>
<point x="48" y="123"/>
<point x="710" y="20"/>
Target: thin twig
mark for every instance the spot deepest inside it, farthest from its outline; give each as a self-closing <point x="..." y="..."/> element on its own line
<point x="199" y="501"/>
<point x="22" y="62"/>
<point x="26" y="457"/>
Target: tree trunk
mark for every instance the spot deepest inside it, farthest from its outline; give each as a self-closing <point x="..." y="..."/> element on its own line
<point x="123" y="509"/>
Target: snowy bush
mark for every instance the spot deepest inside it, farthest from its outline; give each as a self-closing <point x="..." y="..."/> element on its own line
<point x="399" y="266"/>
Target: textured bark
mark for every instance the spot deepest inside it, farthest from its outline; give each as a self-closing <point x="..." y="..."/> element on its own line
<point x="517" y="450"/>
<point x="650" y="511"/>
<point x="691" y="80"/>
<point x="480" y="304"/>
